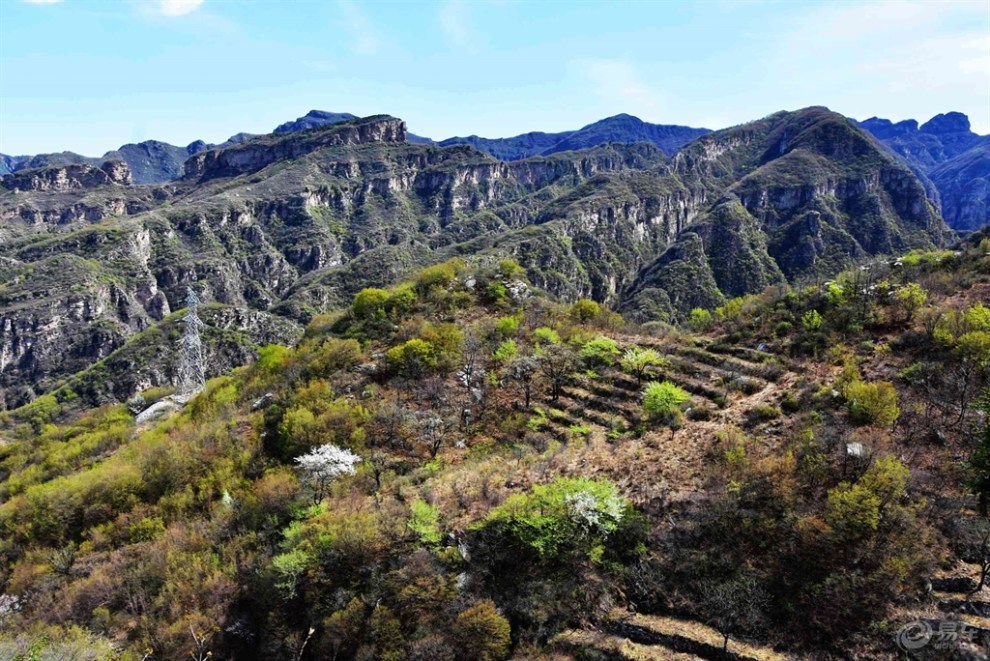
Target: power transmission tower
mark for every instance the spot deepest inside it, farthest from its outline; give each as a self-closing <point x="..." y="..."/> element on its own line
<point x="192" y="371"/>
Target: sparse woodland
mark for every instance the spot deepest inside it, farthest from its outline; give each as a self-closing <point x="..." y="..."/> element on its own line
<point x="460" y="467"/>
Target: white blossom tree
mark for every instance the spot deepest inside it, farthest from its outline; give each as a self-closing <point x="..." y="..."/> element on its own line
<point x="323" y="465"/>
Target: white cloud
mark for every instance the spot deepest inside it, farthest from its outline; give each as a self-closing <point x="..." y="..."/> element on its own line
<point x="364" y="37"/>
<point x="41" y="2"/>
<point x="454" y="23"/>
<point x="619" y="84"/>
<point x="178" y="7"/>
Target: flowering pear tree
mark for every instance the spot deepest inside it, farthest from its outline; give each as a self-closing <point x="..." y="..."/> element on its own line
<point x="323" y="465"/>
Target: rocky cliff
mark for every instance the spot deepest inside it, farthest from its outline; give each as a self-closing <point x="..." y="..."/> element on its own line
<point x="257" y="153"/>
<point x="68" y="177"/>
<point x="809" y="195"/>
<point x="946" y="152"/>
<point x="296" y="223"/>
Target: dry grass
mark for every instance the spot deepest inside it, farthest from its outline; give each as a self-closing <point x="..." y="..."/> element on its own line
<point x="696" y="631"/>
<point x="616" y="645"/>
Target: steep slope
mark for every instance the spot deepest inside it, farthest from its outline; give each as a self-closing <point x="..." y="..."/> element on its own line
<point x="461" y="467"/>
<point x="964" y="185"/>
<point x="940" y="144"/>
<point x="296" y="223"/>
<point x="620" y="128"/>
<point x="803" y="195"/>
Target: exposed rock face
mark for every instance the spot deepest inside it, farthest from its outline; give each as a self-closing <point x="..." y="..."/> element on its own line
<point x="818" y="194"/>
<point x="255" y="154"/>
<point x="947" y="152"/>
<point x="69" y="177"/>
<point x="296" y="223"/>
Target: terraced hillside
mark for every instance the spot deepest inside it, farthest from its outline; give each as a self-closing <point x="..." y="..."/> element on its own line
<point x="802" y="475"/>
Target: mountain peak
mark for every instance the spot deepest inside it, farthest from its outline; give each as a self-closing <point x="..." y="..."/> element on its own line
<point x="950" y="122"/>
<point x="313" y="119"/>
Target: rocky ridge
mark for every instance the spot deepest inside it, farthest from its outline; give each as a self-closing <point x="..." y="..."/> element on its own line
<point x="947" y="153"/>
<point x="297" y="223"/>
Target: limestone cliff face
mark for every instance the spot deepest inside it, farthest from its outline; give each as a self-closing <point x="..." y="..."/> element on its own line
<point x="949" y="157"/>
<point x="255" y="154"/>
<point x="807" y="193"/>
<point x="69" y="177"/>
<point x="297" y="223"/>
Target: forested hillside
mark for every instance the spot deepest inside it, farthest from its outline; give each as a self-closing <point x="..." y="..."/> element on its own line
<point x="461" y="467"/>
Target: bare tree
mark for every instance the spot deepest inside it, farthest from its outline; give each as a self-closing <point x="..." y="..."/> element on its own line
<point x="523" y="370"/>
<point x="737" y="606"/>
<point x="556" y="363"/>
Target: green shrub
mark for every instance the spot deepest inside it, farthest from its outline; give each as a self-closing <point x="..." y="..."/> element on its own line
<point x="505" y="352"/>
<point x="700" y="320"/>
<point x="812" y="321"/>
<point x="584" y="310"/>
<point x="872" y="403"/>
<point x="599" y="352"/>
<point x="424" y="520"/>
<point x="482" y="633"/>
<point x="763" y="412"/>
<point x="370" y="304"/>
<point x="663" y="401"/>
<point x="570" y="518"/>
<point x="439" y="276"/>
<point x="546" y="336"/>
<point x="413" y="359"/>
<point x="507" y="326"/>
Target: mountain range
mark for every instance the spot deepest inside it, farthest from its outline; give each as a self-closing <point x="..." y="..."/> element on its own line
<point x="278" y="228"/>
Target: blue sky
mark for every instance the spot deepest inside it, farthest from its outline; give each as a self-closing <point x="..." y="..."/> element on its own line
<point x="89" y="75"/>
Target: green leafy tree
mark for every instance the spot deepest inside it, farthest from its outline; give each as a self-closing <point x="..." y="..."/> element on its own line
<point x="637" y="361"/>
<point x="663" y="402"/>
<point x="910" y="298"/>
<point x="700" y="320"/>
<point x="599" y="352"/>
<point x="482" y="633"/>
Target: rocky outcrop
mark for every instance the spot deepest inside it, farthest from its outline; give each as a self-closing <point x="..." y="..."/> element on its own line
<point x="255" y="154"/>
<point x="945" y="151"/>
<point x="69" y="177"/>
<point x="964" y="184"/>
